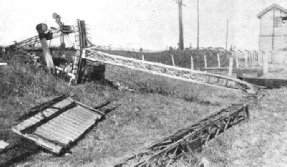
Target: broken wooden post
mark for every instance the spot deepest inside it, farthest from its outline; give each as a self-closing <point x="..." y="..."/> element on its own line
<point x="172" y="59"/>
<point x="230" y="63"/>
<point x="47" y="54"/>
<point x="191" y="63"/>
<point x="43" y="36"/>
<point x="205" y="61"/>
<point x="218" y="60"/>
<point x="265" y="63"/>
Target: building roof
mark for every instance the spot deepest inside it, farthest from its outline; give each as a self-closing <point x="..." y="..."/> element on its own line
<point x="271" y="7"/>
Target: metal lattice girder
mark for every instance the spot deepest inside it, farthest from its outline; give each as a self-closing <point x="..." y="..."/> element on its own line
<point x="189" y="139"/>
<point x="35" y="40"/>
<point x="184" y="74"/>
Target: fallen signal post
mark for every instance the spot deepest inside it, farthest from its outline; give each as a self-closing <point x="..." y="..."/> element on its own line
<point x="199" y="77"/>
<point x="188" y="140"/>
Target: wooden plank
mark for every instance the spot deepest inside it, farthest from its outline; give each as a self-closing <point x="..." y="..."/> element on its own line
<point x="45" y="133"/>
<point x="54" y="125"/>
<point x="44" y="120"/>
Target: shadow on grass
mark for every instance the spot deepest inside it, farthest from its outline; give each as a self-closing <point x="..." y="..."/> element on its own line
<point x="18" y="152"/>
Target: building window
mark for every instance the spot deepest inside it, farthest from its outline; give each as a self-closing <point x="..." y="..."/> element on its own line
<point x="278" y="21"/>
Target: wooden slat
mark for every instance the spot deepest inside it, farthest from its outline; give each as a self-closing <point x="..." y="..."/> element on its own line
<point x="45" y="133"/>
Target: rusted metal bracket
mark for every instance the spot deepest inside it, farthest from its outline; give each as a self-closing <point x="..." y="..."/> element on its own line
<point x="188" y="140"/>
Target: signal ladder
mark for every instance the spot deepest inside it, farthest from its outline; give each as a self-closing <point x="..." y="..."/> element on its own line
<point x="188" y="140"/>
<point x="199" y="77"/>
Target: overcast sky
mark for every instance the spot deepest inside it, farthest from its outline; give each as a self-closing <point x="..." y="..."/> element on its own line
<point x="151" y="24"/>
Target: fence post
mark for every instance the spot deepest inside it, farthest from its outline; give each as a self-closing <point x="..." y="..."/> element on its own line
<point x="142" y="57"/>
<point x="191" y="63"/>
<point x="236" y="60"/>
<point x="245" y="58"/>
<point x="260" y="58"/>
<point x="172" y="59"/>
<point x="265" y="63"/>
<point x="218" y="60"/>
<point x="230" y="64"/>
<point x="205" y="61"/>
<point x="271" y="57"/>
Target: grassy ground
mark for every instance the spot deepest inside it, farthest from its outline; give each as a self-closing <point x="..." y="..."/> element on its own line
<point x="259" y="142"/>
<point x="159" y="107"/>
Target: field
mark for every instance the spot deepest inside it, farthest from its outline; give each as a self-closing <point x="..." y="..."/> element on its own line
<point x="158" y="107"/>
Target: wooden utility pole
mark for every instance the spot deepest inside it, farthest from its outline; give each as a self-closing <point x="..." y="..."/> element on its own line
<point x="197" y="24"/>
<point x="180" y="44"/>
<point x="226" y="35"/>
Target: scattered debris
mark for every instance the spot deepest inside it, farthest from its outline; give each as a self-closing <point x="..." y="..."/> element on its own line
<point x="3" y="64"/>
<point x="3" y="144"/>
<point x="120" y="86"/>
<point x="204" y="163"/>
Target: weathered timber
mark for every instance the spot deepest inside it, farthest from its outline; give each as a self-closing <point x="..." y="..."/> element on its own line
<point x="56" y="124"/>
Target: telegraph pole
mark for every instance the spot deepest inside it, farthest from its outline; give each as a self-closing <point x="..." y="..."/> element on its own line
<point x="180" y="44"/>
<point x="197" y="25"/>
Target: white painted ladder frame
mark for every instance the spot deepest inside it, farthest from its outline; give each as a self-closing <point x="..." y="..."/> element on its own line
<point x="199" y="77"/>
